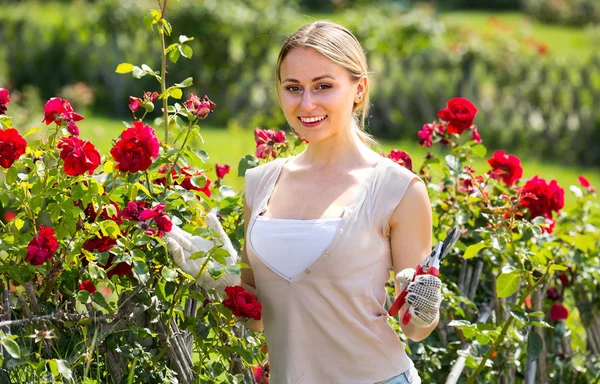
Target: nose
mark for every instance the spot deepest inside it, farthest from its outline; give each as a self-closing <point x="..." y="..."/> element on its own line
<point x="308" y="104"/>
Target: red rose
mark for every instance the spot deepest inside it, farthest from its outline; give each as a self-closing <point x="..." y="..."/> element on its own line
<point x="542" y="198"/>
<point x="266" y="140"/>
<point x="558" y="312"/>
<point x="134" y="103"/>
<point x="564" y="279"/>
<point x="476" y="138"/>
<point x="459" y="113"/>
<point x="242" y="303"/>
<point x="132" y="210"/>
<point x="3" y="100"/>
<point x="162" y="220"/>
<point x="402" y="158"/>
<point x="42" y="247"/>
<point x="100" y="244"/>
<point x="200" y="108"/>
<point x="73" y="128"/>
<point x="222" y="170"/>
<point x="120" y="269"/>
<point x="79" y="156"/>
<point x="135" y="150"/>
<point x="510" y="164"/>
<point x="586" y="184"/>
<point x="261" y="373"/>
<point x="187" y="181"/>
<point x="426" y="135"/>
<point x="9" y="216"/>
<point x="552" y="294"/>
<point x="87" y="286"/>
<point x="59" y="111"/>
<point x="12" y="146"/>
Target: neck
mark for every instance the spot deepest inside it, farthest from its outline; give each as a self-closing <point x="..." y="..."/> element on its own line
<point x="342" y="150"/>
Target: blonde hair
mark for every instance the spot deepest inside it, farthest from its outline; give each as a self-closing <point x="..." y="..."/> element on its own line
<point x="339" y="45"/>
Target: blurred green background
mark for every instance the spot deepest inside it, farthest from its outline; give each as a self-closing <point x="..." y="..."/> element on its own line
<point x="532" y="67"/>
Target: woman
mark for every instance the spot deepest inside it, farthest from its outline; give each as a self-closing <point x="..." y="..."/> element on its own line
<point x="324" y="228"/>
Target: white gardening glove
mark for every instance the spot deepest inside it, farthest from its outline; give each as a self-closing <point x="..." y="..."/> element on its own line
<point x="424" y="296"/>
<point x="181" y="245"/>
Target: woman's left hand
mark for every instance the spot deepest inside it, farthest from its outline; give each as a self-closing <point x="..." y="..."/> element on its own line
<point x="424" y="296"/>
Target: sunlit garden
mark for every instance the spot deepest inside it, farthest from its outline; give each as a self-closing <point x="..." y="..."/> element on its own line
<point x="125" y="122"/>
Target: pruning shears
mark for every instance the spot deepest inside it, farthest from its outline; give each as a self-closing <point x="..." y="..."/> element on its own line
<point x="430" y="266"/>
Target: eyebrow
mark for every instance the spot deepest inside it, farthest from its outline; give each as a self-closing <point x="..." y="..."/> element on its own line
<point x="315" y="79"/>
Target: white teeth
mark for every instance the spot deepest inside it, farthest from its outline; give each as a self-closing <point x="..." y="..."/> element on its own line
<point x="312" y="119"/>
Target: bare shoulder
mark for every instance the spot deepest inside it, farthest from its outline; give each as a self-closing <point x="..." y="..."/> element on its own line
<point x="415" y="203"/>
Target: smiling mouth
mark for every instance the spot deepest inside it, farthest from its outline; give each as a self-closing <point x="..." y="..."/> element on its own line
<point x="312" y="119"/>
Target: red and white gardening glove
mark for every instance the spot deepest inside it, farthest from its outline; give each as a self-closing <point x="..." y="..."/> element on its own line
<point x="423" y="298"/>
<point x="181" y="245"/>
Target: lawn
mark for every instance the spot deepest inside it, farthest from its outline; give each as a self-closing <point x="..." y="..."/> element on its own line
<point x="228" y="146"/>
<point x="562" y="41"/>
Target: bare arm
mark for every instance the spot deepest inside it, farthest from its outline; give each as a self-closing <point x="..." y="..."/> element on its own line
<point x="410" y="240"/>
<point x="247" y="275"/>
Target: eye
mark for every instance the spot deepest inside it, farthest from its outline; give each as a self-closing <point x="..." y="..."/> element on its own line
<point x="293" y="88"/>
<point x="323" y="86"/>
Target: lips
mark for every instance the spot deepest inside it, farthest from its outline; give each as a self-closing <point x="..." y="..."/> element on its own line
<point x="312" y="121"/>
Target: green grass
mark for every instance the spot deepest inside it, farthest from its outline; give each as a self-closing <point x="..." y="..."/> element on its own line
<point x="562" y="41"/>
<point x="228" y="146"/>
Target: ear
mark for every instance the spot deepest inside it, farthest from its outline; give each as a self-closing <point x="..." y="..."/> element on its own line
<point x="361" y="87"/>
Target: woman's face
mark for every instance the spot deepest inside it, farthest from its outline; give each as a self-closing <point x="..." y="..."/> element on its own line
<point x="317" y="95"/>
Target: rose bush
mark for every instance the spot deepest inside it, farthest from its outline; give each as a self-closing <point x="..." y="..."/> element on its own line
<point x="92" y="295"/>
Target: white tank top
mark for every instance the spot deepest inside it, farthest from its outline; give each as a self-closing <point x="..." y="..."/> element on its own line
<point x="290" y="246"/>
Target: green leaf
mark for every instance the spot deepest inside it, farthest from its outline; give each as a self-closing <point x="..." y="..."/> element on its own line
<point x="124" y="68"/>
<point x="459" y="323"/>
<point x="184" y="38"/>
<point x="216" y="272"/>
<point x="32" y="131"/>
<point x="5" y="121"/>
<point x="198" y="181"/>
<point x="474" y="249"/>
<point x="185" y="83"/>
<point x="167" y="27"/>
<point x="186" y="51"/>
<point x="453" y="164"/>
<point x="247" y="162"/>
<point x="141" y="271"/>
<point x="585" y="243"/>
<point x="11" y="347"/>
<point x="19" y="223"/>
<point x="176" y="93"/>
<point x="520" y="316"/>
<point x="84" y="296"/>
<point x="138" y="72"/>
<point x="535" y="344"/>
<point x="64" y="369"/>
<point x="479" y="150"/>
<point x="220" y="255"/>
<point x="197" y="255"/>
<point x="557" y="267"/>
<point x="226" y="191"/>
<point x="483" y="339"/>
<point x="149" y="21"/>
<point x="110" y="228"/>
<point x="232" y="269"/>
<point x="11" y="175"/>
<point x="540" y="323"/>
<point x="508" y="283"/>
<point x="174" y="56"/>
<point x="169" y="274"/>
<point x="100" y="300"/>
